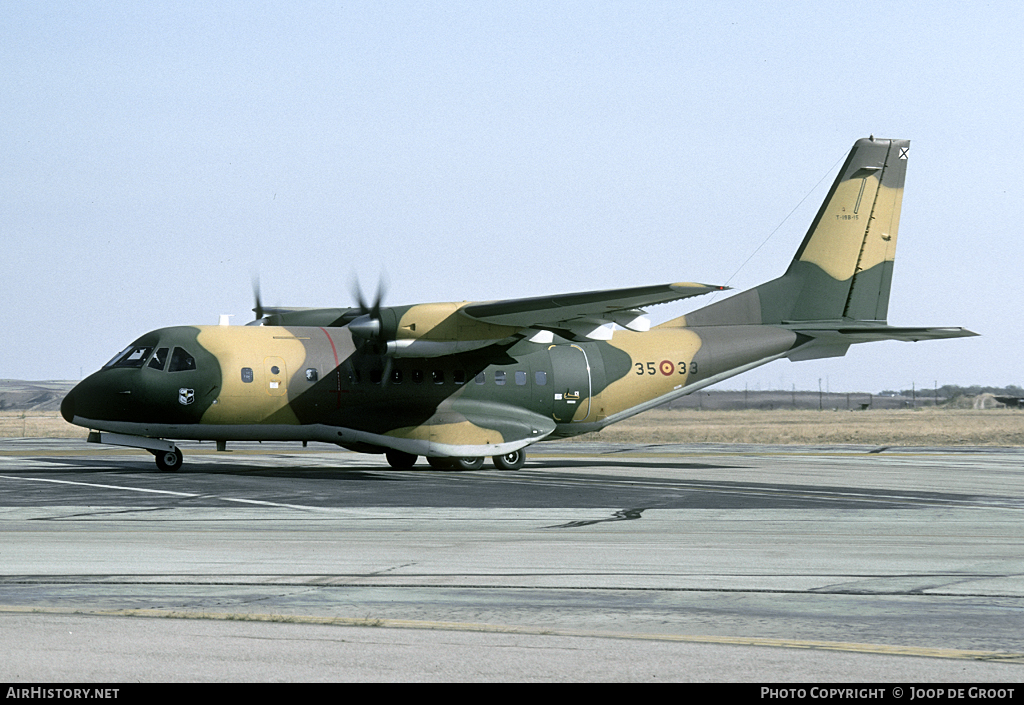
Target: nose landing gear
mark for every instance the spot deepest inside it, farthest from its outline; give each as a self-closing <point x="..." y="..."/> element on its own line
<point x="168" y="457"/>
<point x="168" y="460"/>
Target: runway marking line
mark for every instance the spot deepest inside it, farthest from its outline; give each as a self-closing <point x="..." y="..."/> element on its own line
<point x="86" y="452"/>
<point x="748" y="491"/>
<point x="853" y="647"/>
<point x="189" y="495"/>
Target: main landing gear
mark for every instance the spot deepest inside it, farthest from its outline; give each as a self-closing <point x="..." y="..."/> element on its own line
<point x="509" y="461"/>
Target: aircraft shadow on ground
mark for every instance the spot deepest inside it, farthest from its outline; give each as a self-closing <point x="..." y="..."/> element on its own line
<point x="542" y="484"/>
<point x="197" y="466"/>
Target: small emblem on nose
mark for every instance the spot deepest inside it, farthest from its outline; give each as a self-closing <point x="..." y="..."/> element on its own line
<point x="186" y="396"/>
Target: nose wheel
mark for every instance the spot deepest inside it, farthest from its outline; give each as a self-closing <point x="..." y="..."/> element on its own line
<point x="169" y="460"/>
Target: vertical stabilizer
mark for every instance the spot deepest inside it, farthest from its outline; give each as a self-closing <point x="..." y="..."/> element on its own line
<point x="845" y="261"/>
<point x="843" y="268"/>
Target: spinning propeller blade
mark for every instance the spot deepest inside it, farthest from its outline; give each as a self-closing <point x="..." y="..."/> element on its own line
<point x="258" y="310"/>
<point x="368" y="324"/>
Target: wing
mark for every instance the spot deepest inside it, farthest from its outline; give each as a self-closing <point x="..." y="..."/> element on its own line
<point x="590" y="313"/>
<point x="433" y="330"/>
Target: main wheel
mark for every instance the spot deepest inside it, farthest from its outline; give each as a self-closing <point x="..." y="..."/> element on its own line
<point x="467" y="463"/>
<point x="399" y="460"/>
<point x="510" y="461"/>
<point x="441" y="463"/>
<point x="169" y="460"/>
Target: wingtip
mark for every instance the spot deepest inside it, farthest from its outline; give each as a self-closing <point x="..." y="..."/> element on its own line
<point x="699" y="288"/>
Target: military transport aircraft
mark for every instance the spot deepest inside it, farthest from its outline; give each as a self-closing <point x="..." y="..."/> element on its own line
<point x="456" y="382"/>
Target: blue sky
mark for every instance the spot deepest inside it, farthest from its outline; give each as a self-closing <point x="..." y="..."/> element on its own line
<point x="158" y="155"/>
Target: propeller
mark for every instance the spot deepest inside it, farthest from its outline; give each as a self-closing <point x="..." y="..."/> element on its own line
<point x="265" y="316"/>
<point x="258" y="310"/>
<point x="368" y="325"/>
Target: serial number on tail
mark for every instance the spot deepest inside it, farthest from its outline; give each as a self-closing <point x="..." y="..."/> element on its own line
<point x="666" y="368"/>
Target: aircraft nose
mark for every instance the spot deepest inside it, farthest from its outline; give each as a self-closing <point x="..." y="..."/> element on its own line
<point x="67" y="406"/>
<point x="98" y="398"/>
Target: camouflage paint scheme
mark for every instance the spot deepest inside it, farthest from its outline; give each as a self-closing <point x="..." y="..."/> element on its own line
<point x="466" y="380"/>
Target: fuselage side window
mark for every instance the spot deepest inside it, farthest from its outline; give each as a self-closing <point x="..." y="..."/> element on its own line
<point x="520" y="378"/>
<point x="181" y="361"/>
<point x="540" y="377"/>
<point x="499" y="377"/>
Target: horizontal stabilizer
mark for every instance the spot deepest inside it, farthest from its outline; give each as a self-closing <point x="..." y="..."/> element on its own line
<point x="860" y="333"/>
<point x="910" y="335"/>
<point x="833" y="338"/>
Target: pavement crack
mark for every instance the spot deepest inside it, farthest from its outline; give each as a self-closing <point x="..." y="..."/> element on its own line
<point x="100" y="513"/>
<point x="393" y="568"/>
<point x="621" y="515"/>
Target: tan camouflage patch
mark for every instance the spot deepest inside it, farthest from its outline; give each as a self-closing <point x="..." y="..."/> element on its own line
<point x="441" y="321"/>
<point x="857" y="230"/>
<point x="662" y="361"/>
<point x="261" y="350"/>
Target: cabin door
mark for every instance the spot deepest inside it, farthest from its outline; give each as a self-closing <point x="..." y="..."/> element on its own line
<point x="571" y="383"/>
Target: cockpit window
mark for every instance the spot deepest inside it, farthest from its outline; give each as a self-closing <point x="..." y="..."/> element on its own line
<point x="181" y="361"/>
<point x="133" y="356"/>
<point x="159" y="359"/>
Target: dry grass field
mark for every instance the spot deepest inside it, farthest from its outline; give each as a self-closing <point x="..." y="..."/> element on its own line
<point x="894" y="427"/>
<point x="37" y="424"/>
<point x="890" y="427"/>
